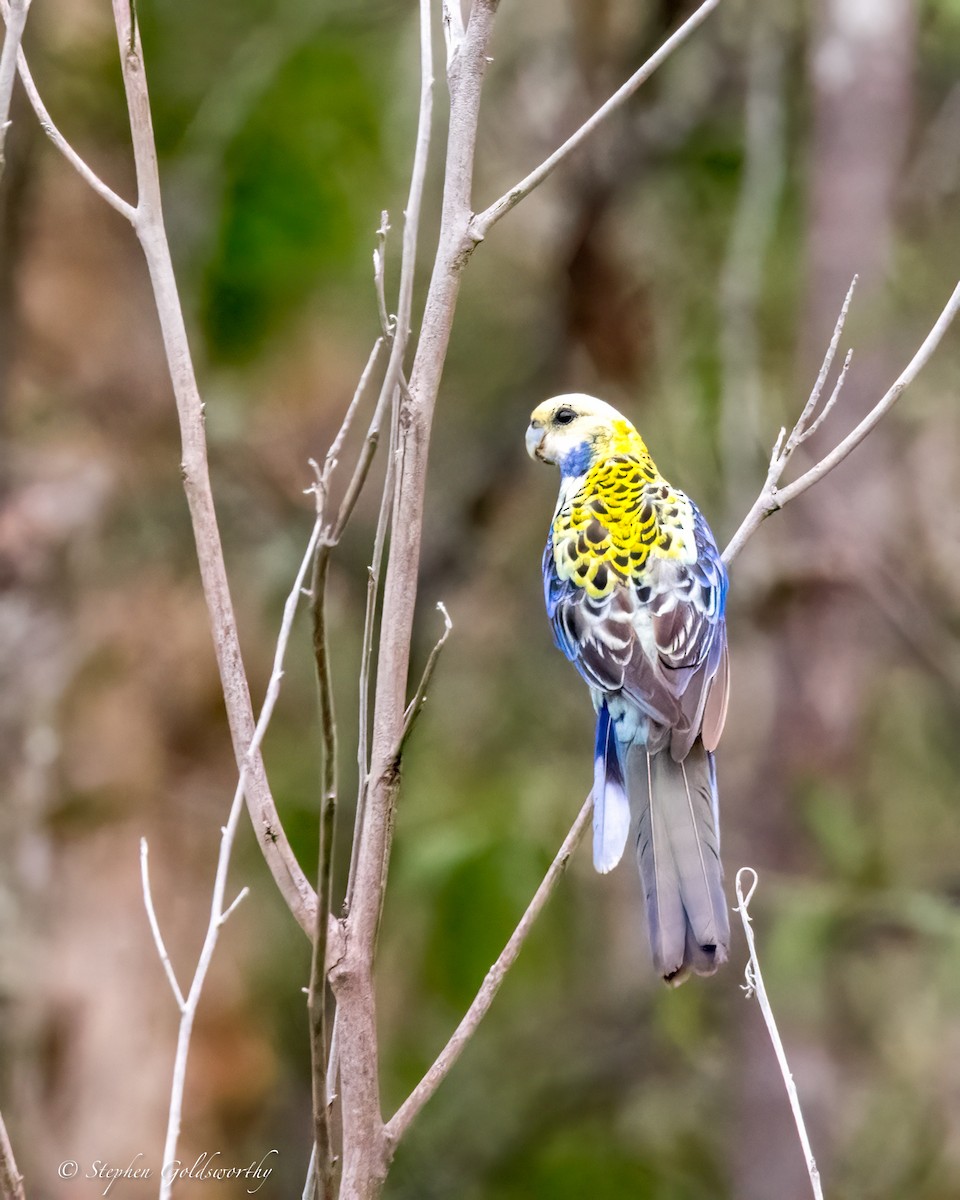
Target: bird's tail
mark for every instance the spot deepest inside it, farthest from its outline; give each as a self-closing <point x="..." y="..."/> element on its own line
<point x="678" y="850"/>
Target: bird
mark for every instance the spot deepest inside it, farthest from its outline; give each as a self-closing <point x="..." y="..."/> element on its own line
<point x="635" y="591"/>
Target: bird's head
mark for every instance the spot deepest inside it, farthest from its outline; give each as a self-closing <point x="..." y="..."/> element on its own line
<point x="573" y="431"/>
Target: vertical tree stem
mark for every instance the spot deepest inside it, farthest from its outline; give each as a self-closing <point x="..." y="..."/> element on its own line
<point x="16" y="18"/>
<point x="366" y="1153"/>
<point x="317" y="1000"/>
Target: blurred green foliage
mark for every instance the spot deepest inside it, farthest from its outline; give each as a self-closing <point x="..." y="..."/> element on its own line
<point x="293" y="178"/>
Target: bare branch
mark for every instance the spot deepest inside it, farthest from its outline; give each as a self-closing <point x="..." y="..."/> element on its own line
<point x="188" y="1011"/>
<point x="322" y="1155"/>
<point x="363" y="1124"/>
<point x="53" y="133"/>
<point x="11" y="1181"/>
<point x="155" y="927"/>
<point x="881" y="408"/>
<point x="148" y="223"/>
<point x="400" y="1121"/>
<point x="317" y="994"/>
<point x="400" y="594"/>
<point x="336" y="446"/>
<point x="234" y="904"/>
<point x="387" y="325"/>
<point x="365" y="1146"/>
<point x="420" y="695"/>
<point x="361" y="470"/>
<point x="825" y="411"/>
<point x="366" y="652"/>
<point x="219" y="914"/>
<point x="754" y="986"/>
<point x="802" y="430"/>
<point x="15" y="17"/>
<point x="483" y="222"/>
<point x="398" y="329"/>
<point x="772" y="498"/>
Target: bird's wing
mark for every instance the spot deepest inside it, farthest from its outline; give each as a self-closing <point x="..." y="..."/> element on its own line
<point x="688" y="619"/>
<point x="660" y="640"/>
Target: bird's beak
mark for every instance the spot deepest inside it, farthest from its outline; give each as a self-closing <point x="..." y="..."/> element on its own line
<point x="534" y="439"/>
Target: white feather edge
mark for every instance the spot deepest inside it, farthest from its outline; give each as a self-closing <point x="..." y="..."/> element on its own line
<point x="611" y="821"/>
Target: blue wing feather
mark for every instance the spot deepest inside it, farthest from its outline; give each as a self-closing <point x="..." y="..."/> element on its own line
<point x="560" y="596"/>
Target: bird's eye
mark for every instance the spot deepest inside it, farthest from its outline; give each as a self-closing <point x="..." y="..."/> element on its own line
<point x="564" y="416"/>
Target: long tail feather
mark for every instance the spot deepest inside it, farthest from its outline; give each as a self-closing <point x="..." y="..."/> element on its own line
<point x="678" y="852"/>
<point x="611" y="809"/>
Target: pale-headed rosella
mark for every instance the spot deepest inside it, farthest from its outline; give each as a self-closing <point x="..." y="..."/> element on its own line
<point x="635" y="591"/>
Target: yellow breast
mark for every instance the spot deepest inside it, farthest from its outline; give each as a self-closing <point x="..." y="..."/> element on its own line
<point x="623" y="513"/>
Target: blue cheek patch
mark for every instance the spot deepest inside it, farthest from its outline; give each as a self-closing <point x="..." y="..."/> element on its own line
<point x="576" y="461"/>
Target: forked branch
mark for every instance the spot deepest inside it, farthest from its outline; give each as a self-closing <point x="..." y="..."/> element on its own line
<point x="218" y="911"/>
<point x="146" y="217"/>
<point x="60" y="142"/>
<point x="772" y="497"/>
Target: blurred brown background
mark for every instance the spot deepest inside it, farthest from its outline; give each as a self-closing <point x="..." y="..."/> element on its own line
<point x="688" y="266"/>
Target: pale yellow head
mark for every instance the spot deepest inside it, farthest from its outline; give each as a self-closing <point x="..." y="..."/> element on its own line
<point x="574" y="430"/>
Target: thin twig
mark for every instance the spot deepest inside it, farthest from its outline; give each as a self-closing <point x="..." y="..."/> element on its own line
<point x="361" y="470"/>
<point x="399" y="326"/>
<point x="803" y="429"/>
<point x="482" y="223"/>
<point x="11" y="1181"/>
<point x="317" y="990"/>
<point x="336" y="446"/>
<point x="189" y="1010"/>
<point x="218" y="913"/>
<point x="420" y="695"/>
<point x="234" y="904"/>
<point x="400" y="1121"/>
<point x="416" y="704"/>
<point x="387" y="324"/>
<point x="366" y="653"/>
<point x="772" y="498"/>
<point x="310" y="1183"/>
<point x="53" y="133"/>
<point x="155" y="926"/>
<point x="825" y="411"/>
<point x="332" y="538"/>
<point x="15" y="17"/>
<point x="881" y="408"/>
<point x="754" y="985"/>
